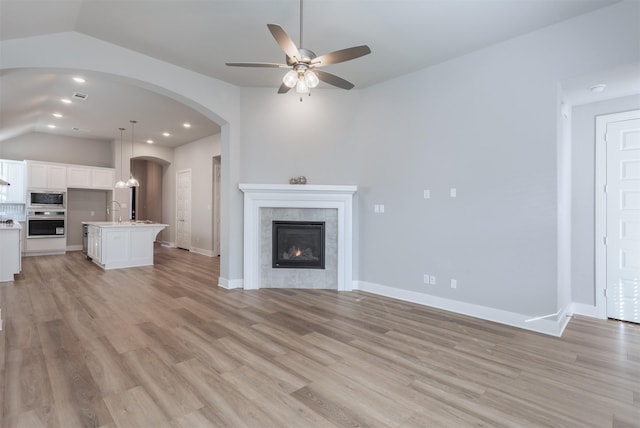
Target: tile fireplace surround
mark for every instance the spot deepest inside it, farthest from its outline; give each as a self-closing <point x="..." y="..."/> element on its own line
<point x="264" y="199"/>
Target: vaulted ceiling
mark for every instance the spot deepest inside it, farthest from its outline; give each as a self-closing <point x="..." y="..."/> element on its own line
<point x="201" y="35"/>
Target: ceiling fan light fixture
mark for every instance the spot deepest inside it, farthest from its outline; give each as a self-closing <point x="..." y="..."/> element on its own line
<point x="311" y="79"/>
<point x="290" y="79"/>
<point x="302" y="87"/>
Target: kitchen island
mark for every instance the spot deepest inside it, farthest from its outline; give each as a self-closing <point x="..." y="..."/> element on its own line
<point x="10" y="261"/>
<point x="116" y="245"/>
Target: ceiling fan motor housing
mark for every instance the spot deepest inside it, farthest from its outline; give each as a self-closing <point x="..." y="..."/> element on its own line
<point x="307" y="57"/>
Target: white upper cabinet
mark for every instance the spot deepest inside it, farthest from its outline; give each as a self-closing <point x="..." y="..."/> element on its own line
<point x="42" y="175"/>
<point x="89" y="177"/>
<point x="79" y="177"/>
<point x="103" y="178"/>
<point x="12" y="172"/>
<point x="54" y="176"/>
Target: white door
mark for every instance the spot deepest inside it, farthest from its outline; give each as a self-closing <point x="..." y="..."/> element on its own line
<point x="183" y="209"/>
<point x="623" y="219"/>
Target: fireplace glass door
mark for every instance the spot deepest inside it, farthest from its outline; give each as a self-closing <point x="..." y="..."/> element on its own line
<point x="298" y="244"/>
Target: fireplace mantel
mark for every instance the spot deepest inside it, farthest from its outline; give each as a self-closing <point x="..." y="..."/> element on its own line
<point x="258" y="196"/>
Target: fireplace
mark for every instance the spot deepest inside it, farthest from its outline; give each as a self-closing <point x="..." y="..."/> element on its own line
<point x="298" y="244"/>
<point x="265" y="203"/>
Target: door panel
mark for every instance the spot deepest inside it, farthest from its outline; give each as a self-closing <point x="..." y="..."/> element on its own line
<point x="183" y="209"/>
<point x="623" y="220"/>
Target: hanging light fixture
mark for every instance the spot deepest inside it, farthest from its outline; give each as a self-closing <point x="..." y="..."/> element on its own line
<point x="132" y="182"/>
<point x="121" y="184"/>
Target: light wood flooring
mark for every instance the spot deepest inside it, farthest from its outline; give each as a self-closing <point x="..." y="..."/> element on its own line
<point x="163" y="346"/>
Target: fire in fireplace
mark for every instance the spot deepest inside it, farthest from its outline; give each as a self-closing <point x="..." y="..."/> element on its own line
<point x="298" y="244"/>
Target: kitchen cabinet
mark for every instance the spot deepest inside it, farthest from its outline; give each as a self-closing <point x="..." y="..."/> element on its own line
<point x="78" y="177"/>
<point x="10" y="257"/>
<point x="87" y="177"/>
<point x="43" y="175"/>
<point x="94" y="243"/>
<point x="13" y="172"/>
<point x="115" y="245"/>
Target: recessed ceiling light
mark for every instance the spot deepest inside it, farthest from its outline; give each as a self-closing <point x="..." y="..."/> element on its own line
<point x="58" y="115"/>
<point x="66" y="100"/>
<point x="51" y="126"/>
<point x="78" y="79"/>
<point x="186" y="125"/>
<point x="149" y="141"/>
<point x="166" y="134"/>
<point x="598" y="88"/>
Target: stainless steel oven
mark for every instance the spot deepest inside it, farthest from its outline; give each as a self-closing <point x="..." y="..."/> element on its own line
<point x="47" y="199"/>
<point x="45" y="224"/>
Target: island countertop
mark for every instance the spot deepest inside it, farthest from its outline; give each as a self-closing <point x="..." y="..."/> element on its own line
<point x="115" y="245"/>
<point x="123" y="224"/>
<point x="10" y="226"/>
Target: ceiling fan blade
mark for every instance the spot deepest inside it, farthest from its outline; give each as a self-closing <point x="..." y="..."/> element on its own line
<point x="284" y="41"/>
<point x="283" y="89"/>
<point x="334" y="80"/>
<point x="256" y="64"/>
<point x="341" y="55"/>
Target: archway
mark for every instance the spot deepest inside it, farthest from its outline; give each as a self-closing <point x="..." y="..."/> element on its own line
<point x="216" y="100"/>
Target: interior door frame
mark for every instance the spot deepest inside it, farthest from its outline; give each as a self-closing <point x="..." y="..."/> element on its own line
<point x="176" y="207"/>
<point x="601" y="205"/>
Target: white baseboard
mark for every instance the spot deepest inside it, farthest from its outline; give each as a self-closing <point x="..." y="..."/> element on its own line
<point x="584" y="309"/>
<point x="167" y="244"/>
<point x="230" y="283"/>
<point x="540" y="325"/>
<point x="74" y="247"/>
<point x="208" y="253"/>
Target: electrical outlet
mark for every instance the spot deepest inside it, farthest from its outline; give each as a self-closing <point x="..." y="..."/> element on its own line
<point x="381" y="208"/>
<point x="454" y="283"/>
<point x="427" y="194"/>
<point x="432" y="280"/>
<point x="453" y="192"/>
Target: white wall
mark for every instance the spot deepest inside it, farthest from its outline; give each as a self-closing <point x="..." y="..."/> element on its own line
<point x="486" y="124"/>
<point x="198" y="157"/>
<point x="283" y="137"/>
<point x="583" y="199"/>
<point x="56" y="148"/>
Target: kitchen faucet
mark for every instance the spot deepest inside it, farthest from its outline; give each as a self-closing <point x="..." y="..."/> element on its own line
<point x="119" y="210"/>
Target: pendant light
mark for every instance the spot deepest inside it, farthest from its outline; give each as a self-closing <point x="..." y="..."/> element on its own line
<point x="121" y="184"/>
<point x="132" y="182"/>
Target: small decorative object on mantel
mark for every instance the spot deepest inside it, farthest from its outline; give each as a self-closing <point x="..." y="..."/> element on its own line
<point x="298" y="180"/>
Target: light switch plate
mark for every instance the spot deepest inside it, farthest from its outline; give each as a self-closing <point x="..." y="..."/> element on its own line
<point x="427" y="194"/>
<point x="453" y="192"/>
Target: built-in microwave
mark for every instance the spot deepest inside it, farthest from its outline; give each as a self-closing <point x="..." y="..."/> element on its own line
<point x="47" y="199"/>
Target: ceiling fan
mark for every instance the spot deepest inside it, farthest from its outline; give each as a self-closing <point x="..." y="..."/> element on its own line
<point x="304" y="74"/>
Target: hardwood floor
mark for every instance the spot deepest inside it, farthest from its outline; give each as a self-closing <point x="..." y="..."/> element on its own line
<point x="163" y="346"/>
